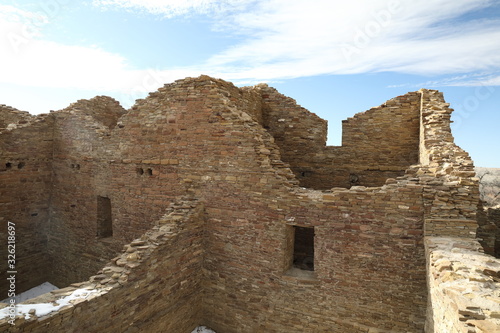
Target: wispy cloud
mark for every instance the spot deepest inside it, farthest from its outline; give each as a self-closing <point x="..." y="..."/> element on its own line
<point x="279" y="39"/>
<point x="287" y="38"/>
<point x="466" y="80"/>
<point x="171" y="8"/>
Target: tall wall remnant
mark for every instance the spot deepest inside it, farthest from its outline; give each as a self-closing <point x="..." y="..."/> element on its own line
<point x="231" y="212"/>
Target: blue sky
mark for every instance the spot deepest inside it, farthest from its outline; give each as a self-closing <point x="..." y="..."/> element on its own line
<point x="336" y="58"/>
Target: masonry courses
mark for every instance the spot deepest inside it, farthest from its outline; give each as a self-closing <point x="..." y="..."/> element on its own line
<point x="209" y="204"/>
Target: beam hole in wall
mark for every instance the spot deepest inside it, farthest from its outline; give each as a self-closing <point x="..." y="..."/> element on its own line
<point x="303" y="248"/>
<point x="20" y="165"/>
<point x="305" y="173"/>
<point x="139" y="171"/>
<point x="149" y="172"/>
<point x="104" y="217"/>
<point x="353" y="179"/>
<point x="8" y="165"/>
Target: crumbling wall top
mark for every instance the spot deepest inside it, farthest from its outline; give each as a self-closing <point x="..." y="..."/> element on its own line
<point x="12" y="118"/>
<point x="104" y="109"/>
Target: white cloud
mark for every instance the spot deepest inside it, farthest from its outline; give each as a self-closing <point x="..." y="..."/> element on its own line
<point x="467" y="80"/>
<point x="327" y="37"/>
<point x="293" y="38"/>
<point x="171" y="8"/>
<point x="27" y="59"/>
<point x="279" y="39"/>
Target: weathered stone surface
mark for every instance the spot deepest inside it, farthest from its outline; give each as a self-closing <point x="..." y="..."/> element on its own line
<point x="464" y="287"/>
<point x="205" y="183"/>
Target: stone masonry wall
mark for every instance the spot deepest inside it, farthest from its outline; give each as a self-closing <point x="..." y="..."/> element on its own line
<point x="378" y="144"/>
<point x="451" y="191"/>
<point x="226" y="260"/>
<point x="488" y="232"/>
<point x="81" y="173"/>
<point x="25" y="178"/>
<point x="153" y="286"/>
<point x="369" y="261"/>
<point x="461" y="279"/>
<point x="226" y="159"/>
<point x="494" y="218"/>
<point x="464" y="287"/>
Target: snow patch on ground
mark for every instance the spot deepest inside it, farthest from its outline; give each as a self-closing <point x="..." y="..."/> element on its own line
<point x="43" y="309"/>
<point x="202" y="329"/>
<point x="32" y="293"/>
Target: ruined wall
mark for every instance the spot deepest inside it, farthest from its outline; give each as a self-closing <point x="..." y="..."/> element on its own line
<point x="153" y="286"/>
<point x="212" y="145"/>
<point x="488" y="231"/>
<point x="25" y="178"/>
<point x="463" y="287"/>
<point x="229" y="266"/>
<point x="378" y="144"/>
<point x="461" y="279"/>
<point x="231" y="163"/>
<point x="369" y="261"/>
<point x="493" y="215"/>
<point x="81" y="157"/>
<point x="451" y="190"/>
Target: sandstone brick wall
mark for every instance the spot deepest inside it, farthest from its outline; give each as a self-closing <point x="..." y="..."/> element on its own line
<point x="232" y="164"/>
<point x="488" y="232"/>
<point x="463" y="287"/>
<point x="451" y="191"/>
<point x="493" y="215"/>
<point x="153" y="286"/>
<point x="367" y="262"/>
<point x="25" y="176"/>
<point x="81" y="173"/>
<point x="229" y="264"/>
<point x="13" y="117"/>
<point x="461" y="279"/>
<point x="378" y="144"/>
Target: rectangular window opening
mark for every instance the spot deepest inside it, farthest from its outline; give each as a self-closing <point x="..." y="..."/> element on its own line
<point x="104" y="219"/>
<point x="303" y="248"/>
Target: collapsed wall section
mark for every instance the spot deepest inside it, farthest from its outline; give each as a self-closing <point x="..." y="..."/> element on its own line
<point x="25" y="184"/>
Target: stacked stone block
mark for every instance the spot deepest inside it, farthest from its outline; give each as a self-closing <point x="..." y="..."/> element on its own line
<point x="225" y="259"/>
<point x="25" y="183"/>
